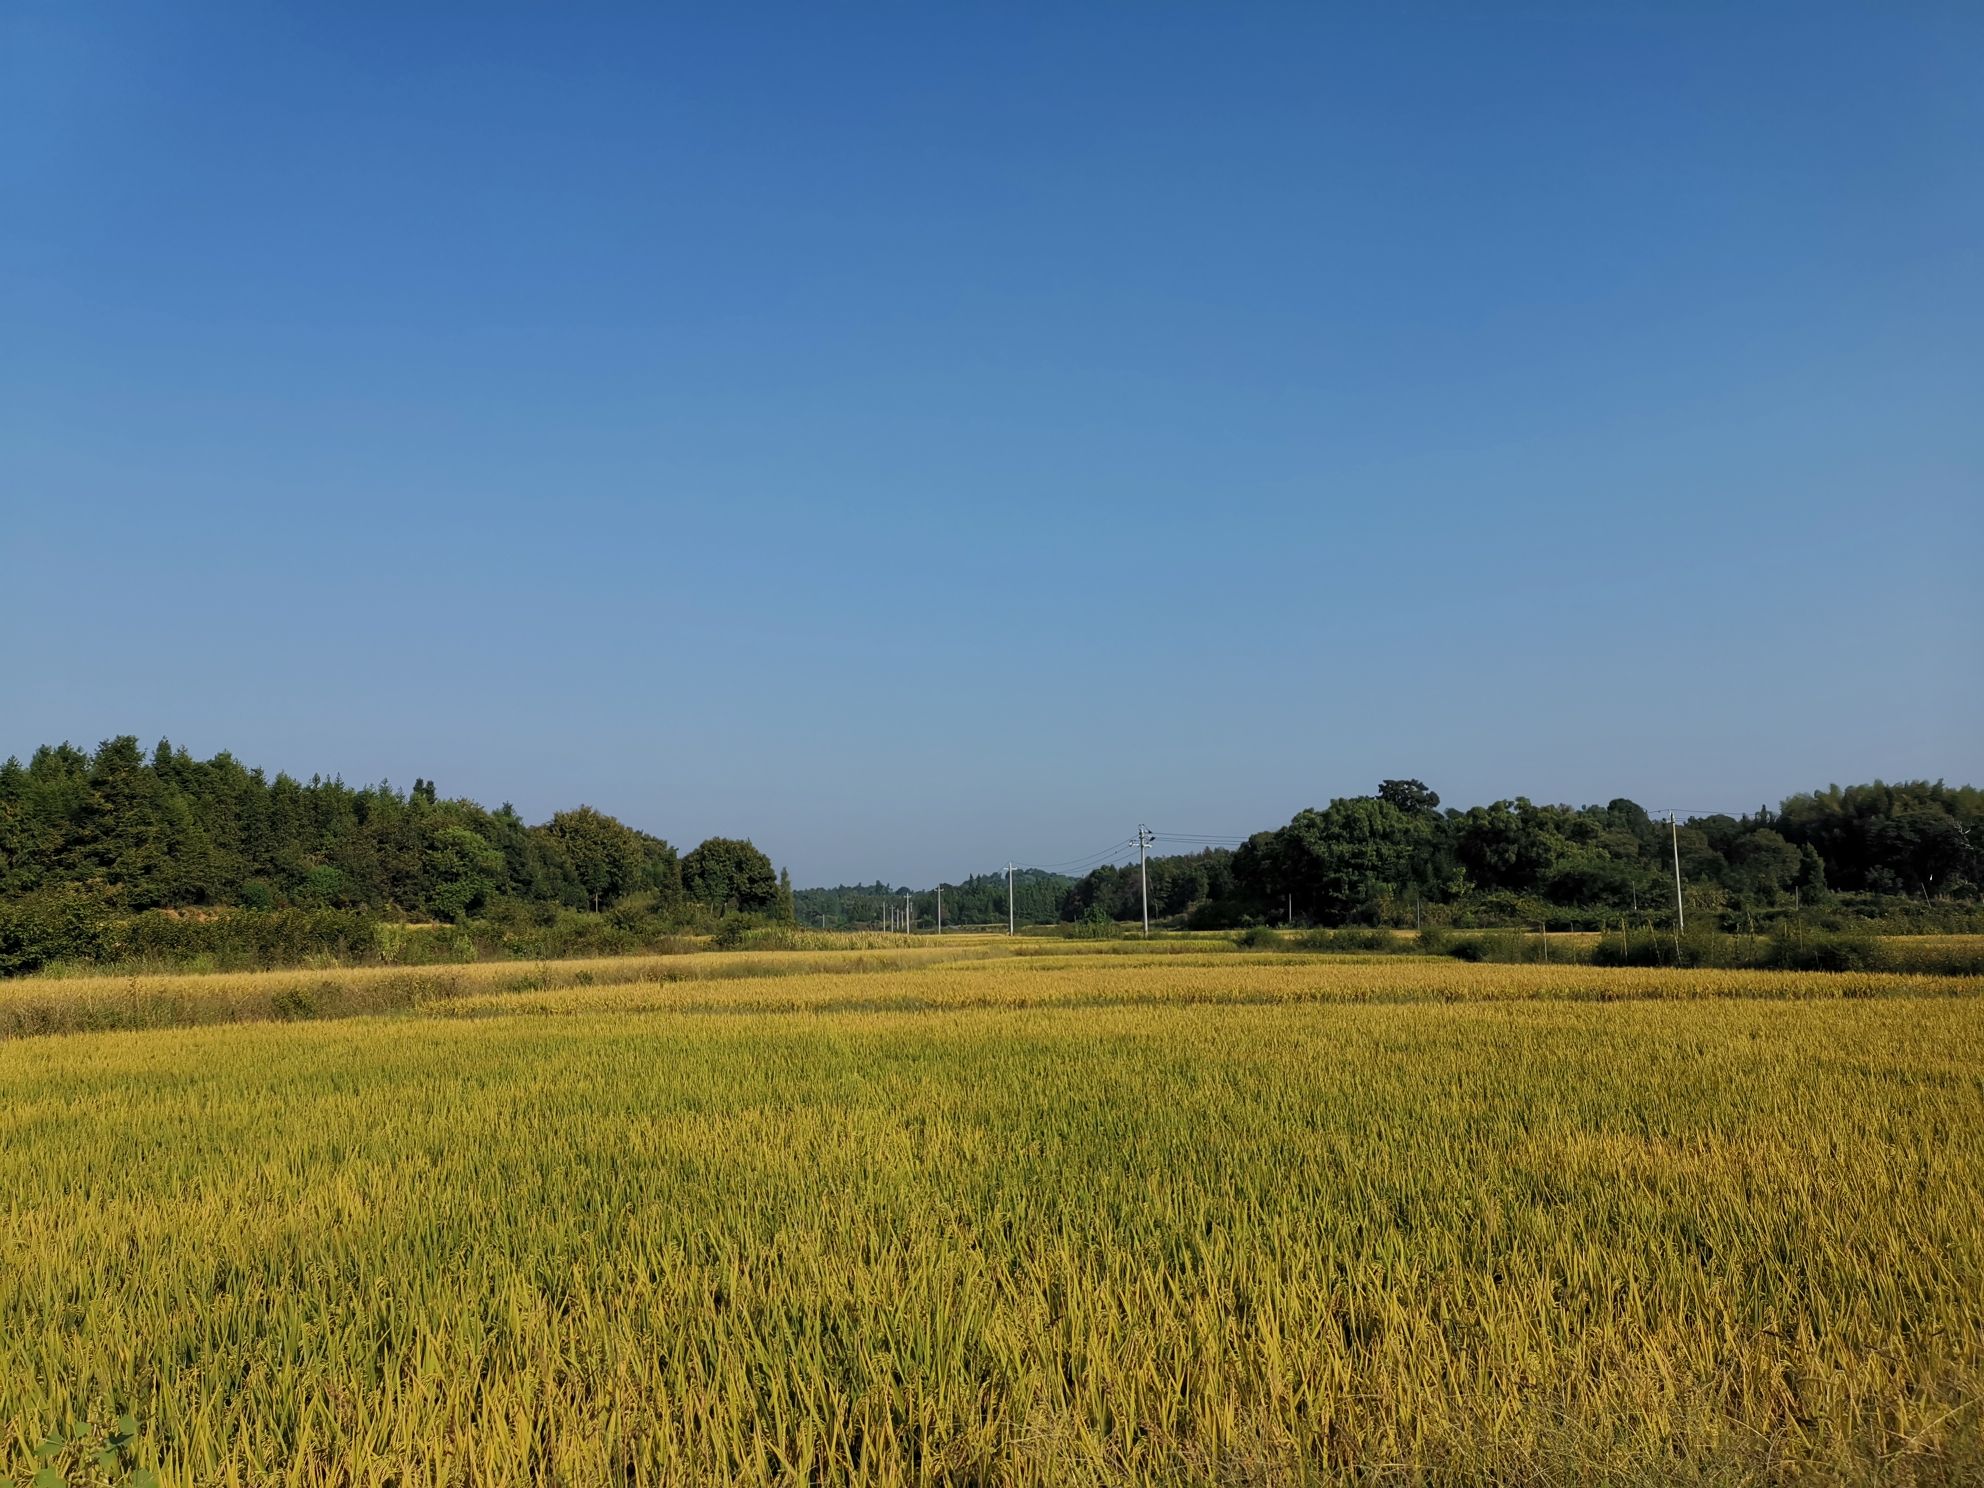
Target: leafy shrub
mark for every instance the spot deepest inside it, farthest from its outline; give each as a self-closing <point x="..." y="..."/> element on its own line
<point x="35" y="932"/>
<point x="1509" y="946"/>
<point x="735" y="931"/>
<point x="1095" y="925"/>
<point x="1215" y="914"/>
<point x="1354" y="939"/>
<point x="1650" y="947"/>
<point x="1790" y="950"/>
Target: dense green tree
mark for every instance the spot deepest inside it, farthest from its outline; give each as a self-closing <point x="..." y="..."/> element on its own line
<point x="1409" y="796"/>
<point x="1762" y="866"/>
<point x="1358" y="852"/>
<point x="661" y="870"/>
<point x="605" y="856"/>
<point x="466" y="870"/>
<point x="726" y="873"/>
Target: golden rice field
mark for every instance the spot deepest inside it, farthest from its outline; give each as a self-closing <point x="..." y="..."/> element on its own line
<point x="963" y="1216"/>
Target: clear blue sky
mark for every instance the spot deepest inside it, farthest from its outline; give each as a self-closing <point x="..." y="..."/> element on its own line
<point x="914" y="436"/>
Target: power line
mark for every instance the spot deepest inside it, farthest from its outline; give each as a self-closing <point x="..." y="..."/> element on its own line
<point x="1107" y="854"/>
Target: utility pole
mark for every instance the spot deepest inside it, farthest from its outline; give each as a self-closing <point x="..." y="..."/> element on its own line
<point x="908" y="913"/>
<point x="1680" y="912"/>
<point x="1145" y="837"/>
<point x="940" y="909"/>
<point x="1009" y="897"/>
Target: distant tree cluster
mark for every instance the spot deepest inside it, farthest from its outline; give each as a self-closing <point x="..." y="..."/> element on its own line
<point x="135" y="833"/>
<point x="1370" y="858"/>
<point x="1038" y="897"/>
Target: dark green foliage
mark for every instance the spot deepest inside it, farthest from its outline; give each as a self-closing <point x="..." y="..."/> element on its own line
<point x="1793" y="950"/>
<point x="46" y="928"/>
<point x="119" y="854"/>
<point x="604" y="856"/>
<point x="92" y="845"/>
<point x="1409" y="796"/>
<point x="1096" y="924"/>
<point x="739" y="930"/>
<point x="1358" y="853"/>
<point x="465" y="871"/>
<point x="1908" y="856"/>
<point x="1509" y="947"/>
<point x="1383" y="942"/>
<point x="1177" y="884"/>
<point x="727" y="874"/>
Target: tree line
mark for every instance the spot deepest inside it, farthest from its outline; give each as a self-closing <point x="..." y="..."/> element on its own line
<point x="127" y="833"/>
<point x="164" y="843"/>
<point x="1393" y="857"/>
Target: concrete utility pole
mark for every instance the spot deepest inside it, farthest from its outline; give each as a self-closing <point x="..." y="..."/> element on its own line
<point x="940" y="909"/>
<point x="1680" y="911"/>
<point x="1009" y="898"/>
<point x="1145" y="837"/>
<point x="908" y="913"/>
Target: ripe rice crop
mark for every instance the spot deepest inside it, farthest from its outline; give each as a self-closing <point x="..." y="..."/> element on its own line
<point x="1168" y="971"/>
<point x="40" y="1005"/>
<point x="1171" y="980"/>
<point x="1054" y="1220"/>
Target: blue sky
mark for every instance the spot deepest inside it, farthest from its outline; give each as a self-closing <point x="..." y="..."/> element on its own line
<point x="920" y="436"/>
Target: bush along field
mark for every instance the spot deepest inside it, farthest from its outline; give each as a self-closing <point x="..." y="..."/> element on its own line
<point x="1082" y="1215"/>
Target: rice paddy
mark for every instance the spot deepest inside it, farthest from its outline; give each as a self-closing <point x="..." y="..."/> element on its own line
<point x="961" y="1216"/>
